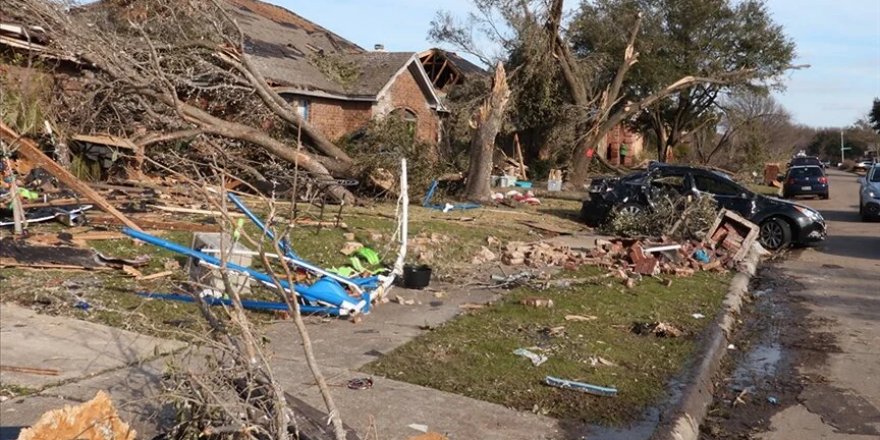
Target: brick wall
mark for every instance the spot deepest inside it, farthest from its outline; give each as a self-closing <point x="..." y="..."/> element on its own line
<point x="336" y="118"/>
<point x="406" y="93"/>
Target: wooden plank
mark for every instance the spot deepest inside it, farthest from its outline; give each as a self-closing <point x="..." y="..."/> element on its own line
<point x="195" y="211"/>
<point x="440" y="72"/>
<point x="155" y="275"/>
<point x="27" y="149"/>
<point x="161" y="225"/>
<point x="9" y="262"/>
<point x="519" y="157"/>
<point x="56" y="202"/>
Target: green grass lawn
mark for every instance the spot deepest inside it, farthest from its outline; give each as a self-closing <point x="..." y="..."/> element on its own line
<point x="472" y="355"/>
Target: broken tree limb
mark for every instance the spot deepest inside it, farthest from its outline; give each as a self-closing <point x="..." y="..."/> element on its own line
<point x="30" y="370"/>
<point x="488" y="119"/>
<point x="29" y="150"/>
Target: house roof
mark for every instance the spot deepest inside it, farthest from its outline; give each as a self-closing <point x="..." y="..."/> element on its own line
<point x="288" y="49"/>
<point x="447" y="69"/>
<point x="376" y="70"/>
<point x="463" y="65"/>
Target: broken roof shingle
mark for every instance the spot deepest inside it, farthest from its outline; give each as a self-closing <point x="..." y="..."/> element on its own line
<point x="376" y="69"/>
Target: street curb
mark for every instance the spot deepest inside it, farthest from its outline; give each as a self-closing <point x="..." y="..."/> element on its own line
<point x="683" y="420"/>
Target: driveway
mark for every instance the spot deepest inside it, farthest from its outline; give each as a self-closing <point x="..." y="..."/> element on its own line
<point x="841" y="291"/>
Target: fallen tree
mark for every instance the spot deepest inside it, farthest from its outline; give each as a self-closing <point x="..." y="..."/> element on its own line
<point x="178" y="66"/>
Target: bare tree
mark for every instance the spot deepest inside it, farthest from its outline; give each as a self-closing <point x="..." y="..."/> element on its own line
<point x="168" y="63"/>
<point x="600" y="104"/>
<point x="747" y="129"/>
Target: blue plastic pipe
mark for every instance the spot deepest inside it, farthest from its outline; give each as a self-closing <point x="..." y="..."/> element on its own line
<point x="253" y="217"/>
<point x="312" y="293"/>
<point x="359" y="283"/>
<point x="263" y="306"/>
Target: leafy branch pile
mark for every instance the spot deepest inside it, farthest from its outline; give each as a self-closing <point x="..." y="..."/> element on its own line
<point x="676" y="216"/>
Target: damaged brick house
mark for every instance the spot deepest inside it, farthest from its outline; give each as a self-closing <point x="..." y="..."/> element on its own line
<point x="336" y="85"/>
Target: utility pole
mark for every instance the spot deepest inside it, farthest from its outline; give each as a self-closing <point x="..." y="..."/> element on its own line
<point x="841" y="147"/>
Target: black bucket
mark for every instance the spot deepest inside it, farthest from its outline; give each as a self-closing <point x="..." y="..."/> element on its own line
<point x="416" y="277"/>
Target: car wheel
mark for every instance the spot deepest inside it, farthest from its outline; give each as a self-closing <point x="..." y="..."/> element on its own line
<point x="775" y="234"/>
<point x="631" y="208"/>
<point x="826" y="196"/>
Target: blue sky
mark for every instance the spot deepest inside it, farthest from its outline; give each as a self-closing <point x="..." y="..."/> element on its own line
<point x="839" y="39"/>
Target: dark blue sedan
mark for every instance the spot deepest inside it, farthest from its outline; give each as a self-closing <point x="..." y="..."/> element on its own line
<point x="805" y="181"/>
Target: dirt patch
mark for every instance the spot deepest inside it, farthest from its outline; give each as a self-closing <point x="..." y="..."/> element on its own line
<point x="761" y="376"/>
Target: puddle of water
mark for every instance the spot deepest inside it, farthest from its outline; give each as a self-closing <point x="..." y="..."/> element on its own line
<point x="758" y="364"/>
<point x="644" y="427"/>
<point x="641" y="430"/>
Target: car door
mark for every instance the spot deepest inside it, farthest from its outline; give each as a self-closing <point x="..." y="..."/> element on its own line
<point x="728" y="194"/>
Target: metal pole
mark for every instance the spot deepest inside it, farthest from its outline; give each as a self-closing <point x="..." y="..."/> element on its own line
<point x="841" y="147"/>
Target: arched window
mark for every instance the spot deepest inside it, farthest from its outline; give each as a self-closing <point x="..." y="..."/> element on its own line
<point x="408" y="116"/>
<point x="405" y="114"/>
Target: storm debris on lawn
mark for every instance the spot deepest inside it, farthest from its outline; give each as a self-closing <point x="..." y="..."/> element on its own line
<point x="537" y="302"/>
<point x="580" y="386"/>
<point x="514" y="196"/>
<point x="599" y="361"/>
<point x="658" y="329"/>
<point x="423" y="246"/>
<point x="542" y="254"/>
<point x="580" y="318"/>
<point x="629" y="259"/>
<point x="484" y="255"/>
<point x="350" y="248"/>
<point x="537" y="359"/>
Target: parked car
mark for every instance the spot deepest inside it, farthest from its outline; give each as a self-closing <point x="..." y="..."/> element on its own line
<point x="802" y="161"/>
<point x="869" y="194"/>
<point x="805" y="181"/>
<point x="782" y="223"/>
<point x="864" y="164"/>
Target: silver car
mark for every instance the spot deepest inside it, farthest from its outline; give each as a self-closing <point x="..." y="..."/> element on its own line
<point x="869" y="194"/>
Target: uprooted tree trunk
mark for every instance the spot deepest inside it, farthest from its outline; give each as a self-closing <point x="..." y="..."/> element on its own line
<point x="488" y="120"/>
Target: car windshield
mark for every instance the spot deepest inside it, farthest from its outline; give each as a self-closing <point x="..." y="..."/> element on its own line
<point x="805" y="161"/>
<point x="876" y="176"/>
<point x="805" y="172"/>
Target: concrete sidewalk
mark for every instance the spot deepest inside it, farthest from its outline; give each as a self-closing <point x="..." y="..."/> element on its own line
<point x="76" y="349"/>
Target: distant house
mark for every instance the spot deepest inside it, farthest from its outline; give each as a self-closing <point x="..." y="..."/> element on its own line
<point x="622" y="135"/>
<point x="336" y="85"/>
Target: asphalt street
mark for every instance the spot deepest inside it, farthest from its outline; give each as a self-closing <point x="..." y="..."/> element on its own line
<point x="841" y="290"/>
